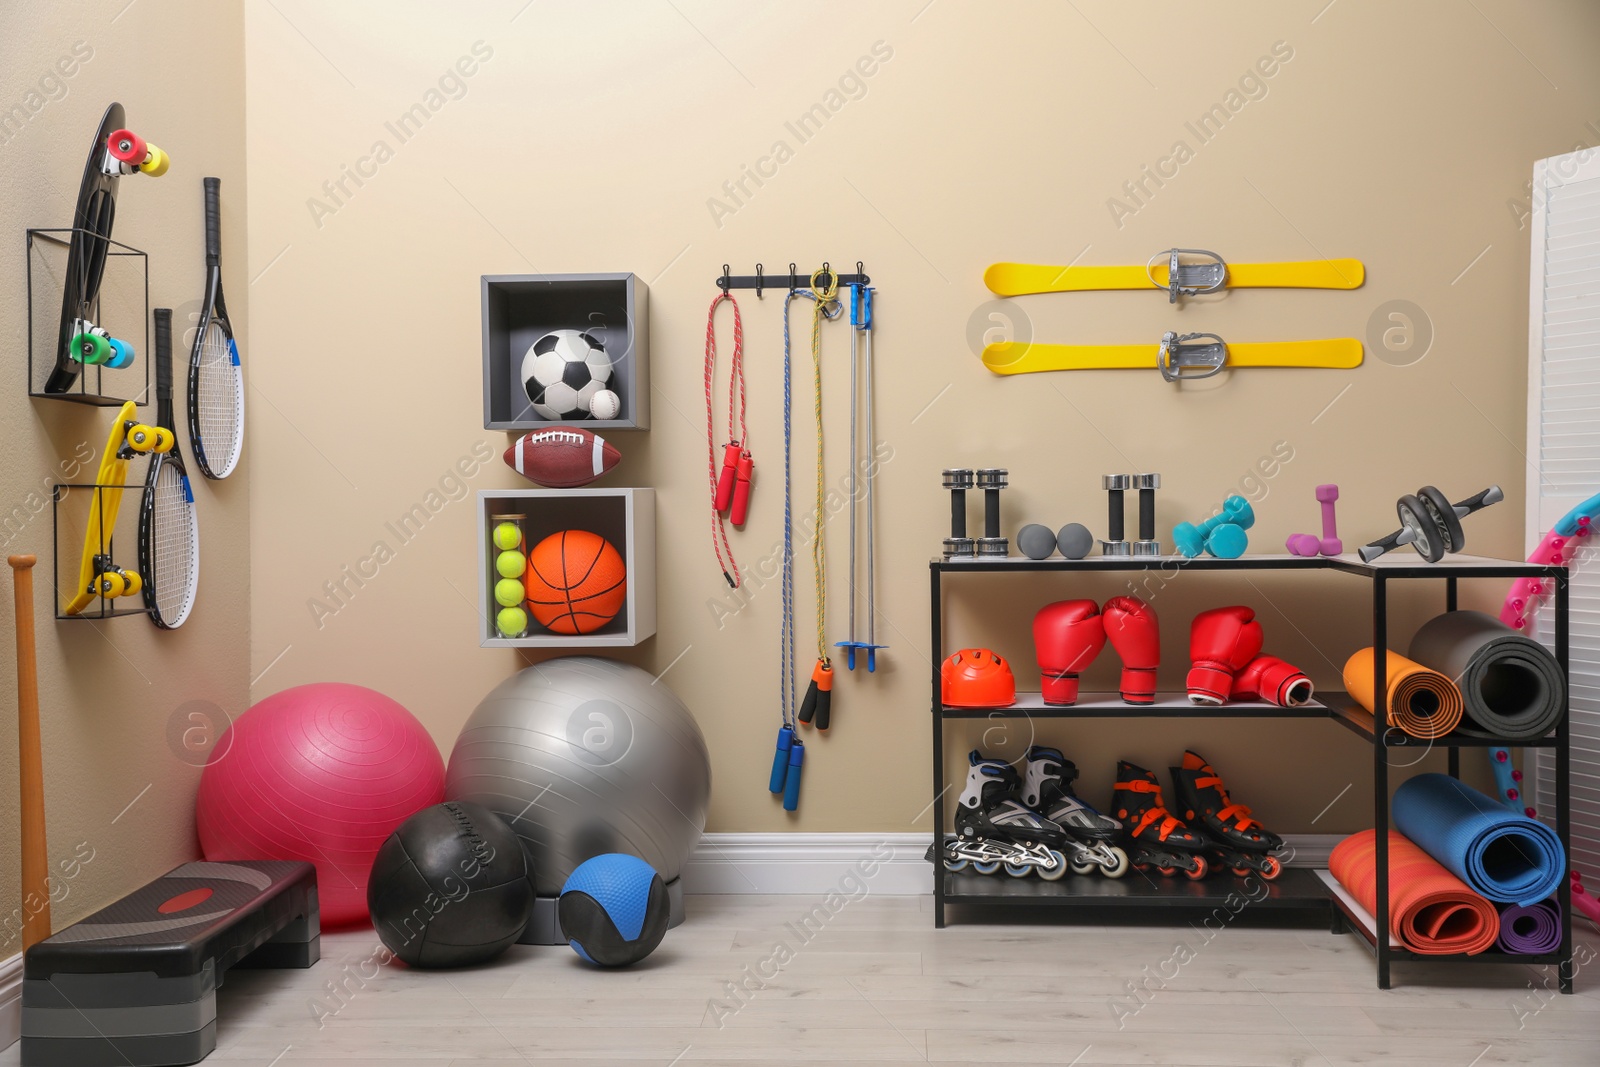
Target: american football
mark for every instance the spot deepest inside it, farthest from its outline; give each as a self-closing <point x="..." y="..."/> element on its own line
<point x="562" y="458"/>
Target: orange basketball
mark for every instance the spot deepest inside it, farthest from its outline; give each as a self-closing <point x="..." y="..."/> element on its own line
<point x="576" y="582"/>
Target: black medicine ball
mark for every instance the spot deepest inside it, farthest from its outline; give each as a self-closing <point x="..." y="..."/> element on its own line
<point x="451" y="887"/>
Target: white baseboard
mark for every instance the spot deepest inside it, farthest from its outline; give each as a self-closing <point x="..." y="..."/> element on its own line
<point x="10" y="1001"/>
<point x="777" y="863"/>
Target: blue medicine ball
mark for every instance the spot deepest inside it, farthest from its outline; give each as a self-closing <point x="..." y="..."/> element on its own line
<point x="614" y="910"/>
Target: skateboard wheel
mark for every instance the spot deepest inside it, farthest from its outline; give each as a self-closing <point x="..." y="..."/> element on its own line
<point x="164" y="439"/>
<point x="121" y="354"/>
<point x="132" y="583"/>
<point x="156" y="162"/>
<point x="126" y="147"/>
<point x="142" y="438"/>
<point x="110" y="584"/>
<point x="90" y="348"/>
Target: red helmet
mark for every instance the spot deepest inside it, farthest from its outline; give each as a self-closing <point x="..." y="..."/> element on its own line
<point x="977" y="678"/>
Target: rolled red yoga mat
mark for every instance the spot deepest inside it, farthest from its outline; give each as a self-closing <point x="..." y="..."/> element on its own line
<point x="1431" y="911"/>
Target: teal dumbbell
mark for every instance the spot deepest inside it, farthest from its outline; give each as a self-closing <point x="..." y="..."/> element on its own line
<point x="1222" y="535"/>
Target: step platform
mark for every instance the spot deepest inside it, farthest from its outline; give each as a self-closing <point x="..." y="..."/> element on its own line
<point x="135" y="984"/>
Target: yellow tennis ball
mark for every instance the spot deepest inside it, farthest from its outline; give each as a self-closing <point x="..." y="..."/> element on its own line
<point x="508" y="592"/>
<point x="507" y="536"/>
<point x="511" y="622"/>
<point x="511" y="564"/>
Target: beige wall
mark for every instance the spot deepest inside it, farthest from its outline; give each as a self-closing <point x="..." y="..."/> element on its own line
<point x="593" y="139"/>
<point x="109" y="691"/>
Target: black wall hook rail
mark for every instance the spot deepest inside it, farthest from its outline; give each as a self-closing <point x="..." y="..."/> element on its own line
<point x="784" y="280"/>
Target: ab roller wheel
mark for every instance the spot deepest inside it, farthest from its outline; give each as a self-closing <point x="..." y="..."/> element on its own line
<point x="1431" y="524"/>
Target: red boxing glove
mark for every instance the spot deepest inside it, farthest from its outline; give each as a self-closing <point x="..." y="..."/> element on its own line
<point x="1270" y="679"/>
<point x="1221" y="642"/>
<point x="741" y="490"/>
<point x="1067" y="636"/>
<point x="730" y="466"/>
<point x="1133" y="630"/>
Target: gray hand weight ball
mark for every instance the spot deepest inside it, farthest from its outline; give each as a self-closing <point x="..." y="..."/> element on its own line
<point x="1036" y="542"/>
<point x="1074" y="540"/>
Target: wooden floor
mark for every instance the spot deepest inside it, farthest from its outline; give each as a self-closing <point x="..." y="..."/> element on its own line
<point x="878" y="984"/>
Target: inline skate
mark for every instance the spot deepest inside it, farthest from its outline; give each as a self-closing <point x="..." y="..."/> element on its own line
<point x="1091" y="842"/>
<point x="1235" y="839"/>
<point x="1153" y="836"/>
<point x="994" y="829"/>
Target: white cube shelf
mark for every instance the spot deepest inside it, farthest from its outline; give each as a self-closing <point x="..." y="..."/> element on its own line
<point x="625" y="517"/>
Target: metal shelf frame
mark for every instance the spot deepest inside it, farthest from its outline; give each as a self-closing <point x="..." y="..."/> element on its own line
<point x="1339" y="707"/>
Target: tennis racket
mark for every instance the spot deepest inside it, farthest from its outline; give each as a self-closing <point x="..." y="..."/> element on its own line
<point x="216" y="382"/>
<point x="169" y="536"/>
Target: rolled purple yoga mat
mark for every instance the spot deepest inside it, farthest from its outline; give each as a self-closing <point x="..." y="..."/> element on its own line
<point x="1531" y="930"/>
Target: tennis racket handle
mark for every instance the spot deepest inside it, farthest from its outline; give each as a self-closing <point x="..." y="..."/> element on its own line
<point x="163" y="317"/>
<point x="791" y="781"/>
<point x="741" y="490"/>
<point x="213" y="219"/>
<point x="730" y="470"/>
<point x="780" y="759"/>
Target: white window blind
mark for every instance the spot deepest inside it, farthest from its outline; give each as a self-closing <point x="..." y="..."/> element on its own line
<point x="1564" y="454"/>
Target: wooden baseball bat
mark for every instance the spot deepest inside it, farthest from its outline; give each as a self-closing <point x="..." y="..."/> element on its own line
<point x="30" y="761"/>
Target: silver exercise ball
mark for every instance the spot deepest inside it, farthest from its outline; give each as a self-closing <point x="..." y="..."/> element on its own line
<point x="582" y="756"/>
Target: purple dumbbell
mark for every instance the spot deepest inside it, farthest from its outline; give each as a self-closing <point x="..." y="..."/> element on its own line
<point x="1329" y="544"/>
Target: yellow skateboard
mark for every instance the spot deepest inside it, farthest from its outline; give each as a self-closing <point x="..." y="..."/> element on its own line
<point x="98" y="575"/>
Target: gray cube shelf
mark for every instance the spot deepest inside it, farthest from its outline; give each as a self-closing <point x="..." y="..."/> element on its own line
<point x="625" y="517"/>
<point x="518" y="309"/>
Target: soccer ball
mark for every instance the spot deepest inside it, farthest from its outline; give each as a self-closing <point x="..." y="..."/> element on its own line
<point x="563" y="371"/>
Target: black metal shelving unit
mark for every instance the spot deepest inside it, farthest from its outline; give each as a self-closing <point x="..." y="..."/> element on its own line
<point x="1297" y="888"/>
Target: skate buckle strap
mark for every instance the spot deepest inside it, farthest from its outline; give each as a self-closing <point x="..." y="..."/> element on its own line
<point x="1229" y="810"/>
<point x="1189" y="277"/>
<point x="1180" y="359"/>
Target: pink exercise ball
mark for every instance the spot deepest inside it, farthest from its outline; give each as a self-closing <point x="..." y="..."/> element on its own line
<point x="322" y="773"/>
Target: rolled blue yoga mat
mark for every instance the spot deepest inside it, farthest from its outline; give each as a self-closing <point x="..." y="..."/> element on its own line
<point x="1509" y="858"/>
<point x="1532" y="930"/>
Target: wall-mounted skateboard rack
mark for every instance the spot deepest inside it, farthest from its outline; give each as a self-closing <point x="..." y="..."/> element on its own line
<point x="70" y="508"/>
<point x="122" y="306"/>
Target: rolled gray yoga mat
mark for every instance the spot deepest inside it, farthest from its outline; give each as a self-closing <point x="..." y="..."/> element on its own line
<point x="1511" y="684"/>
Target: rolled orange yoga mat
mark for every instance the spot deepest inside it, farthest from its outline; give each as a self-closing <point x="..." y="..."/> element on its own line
<point x="1431" y="911"/>
<point x="1422" y="702"/>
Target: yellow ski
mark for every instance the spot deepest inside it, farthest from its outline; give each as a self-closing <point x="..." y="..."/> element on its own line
<point x="1179" y="358"/>
<point x="1180" y="271"/>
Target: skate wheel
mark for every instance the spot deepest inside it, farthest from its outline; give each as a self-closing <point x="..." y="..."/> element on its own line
<point x="988" y="867"/>
<point x="1121" y="866"/>
<point x="1270" y="867"/>
<point x="110" y="584"/>
<point x="156" y="163"/>
<point x="90" y="348"/>
<point x="164" y="439"/>
<point x="958" y="863"/>
<point x="126" y="146"/>
<point x="121" y="354"/>
<point x="1200" y="868"/>
<point x="131" y="583"/>
<point x="1083" y="867"/>
<point x="1019" y="870"/>
<point x="1057" y="872"/>
<point x="142" y="438"/>
<point x="1141" y="867"/>
<point x="1167" y="872"/>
